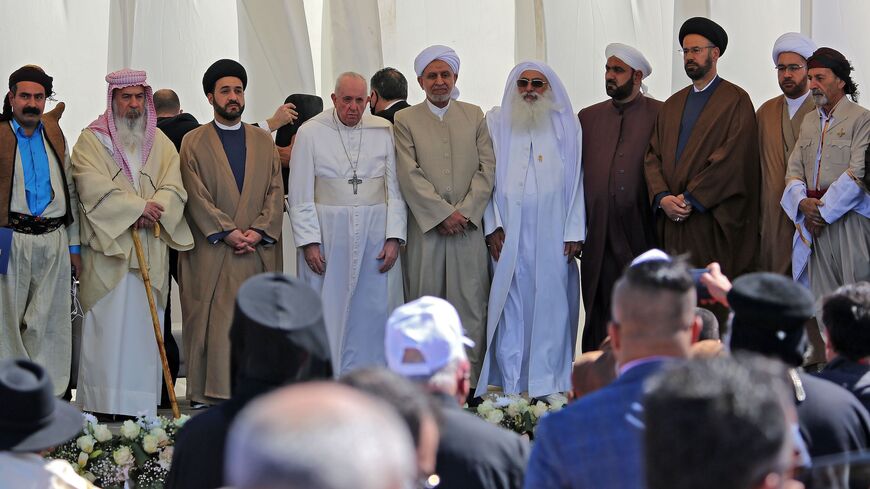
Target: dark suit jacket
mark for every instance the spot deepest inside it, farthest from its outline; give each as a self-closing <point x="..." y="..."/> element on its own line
<point x="390" y="112"/>
<point x="596" y="442"/>
<point x="473" y="454"/>
<point x="176" y="127"/>
<point x="852" y="376"/>
<point x="831" y="419"/>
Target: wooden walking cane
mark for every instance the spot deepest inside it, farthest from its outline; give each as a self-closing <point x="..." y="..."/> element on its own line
<point x="155" y="321"/>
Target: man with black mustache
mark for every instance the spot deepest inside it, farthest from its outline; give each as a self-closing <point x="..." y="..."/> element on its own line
<point x="615" y="139"/>
<point x="702" y="164"/>
<point x="39" y="232"/>
<point x="232" y="174"/>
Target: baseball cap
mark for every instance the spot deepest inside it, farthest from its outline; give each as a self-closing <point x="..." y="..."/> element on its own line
<point x="423" y="336"/>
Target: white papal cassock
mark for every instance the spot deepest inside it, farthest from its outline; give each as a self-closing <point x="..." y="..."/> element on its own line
<point x="534" y="299"/>
<point x="351" y="228"/>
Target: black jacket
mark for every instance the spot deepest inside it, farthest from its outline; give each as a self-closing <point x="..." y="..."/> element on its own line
<point x="473" y="454"/>
<point x="852" y="376"/>
<point x="390" y="112"/>
<point x="831" y="419"/>
<point x="176" y="127"/>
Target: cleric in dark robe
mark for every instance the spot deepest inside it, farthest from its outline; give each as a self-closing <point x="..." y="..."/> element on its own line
<point x="619" y="222"/>
<point x="702" y="166"/>
<point x="278" y="338"/>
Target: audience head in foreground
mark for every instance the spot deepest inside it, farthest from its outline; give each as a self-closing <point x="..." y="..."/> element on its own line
<point x="319" y="436"/>
<point x="425" y="342"/>
<point x="846" y="317"/>
<point x="719" y="423"/>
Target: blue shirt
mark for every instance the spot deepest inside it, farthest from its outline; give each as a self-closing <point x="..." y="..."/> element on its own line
<point x="37" y="173"/>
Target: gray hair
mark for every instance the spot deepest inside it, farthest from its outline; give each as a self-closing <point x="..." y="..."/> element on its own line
<point x="350" y="74"/>
<point x="319" y="435"/>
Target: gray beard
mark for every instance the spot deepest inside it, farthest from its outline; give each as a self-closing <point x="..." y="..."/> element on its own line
<point x="131" y="133"/>
<point x="531" y="115"/>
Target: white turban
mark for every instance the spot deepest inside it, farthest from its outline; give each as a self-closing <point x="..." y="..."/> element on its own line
<point x="630" y="56"/>
<point x="438" y="52"/>
<point x="793" y="42"/>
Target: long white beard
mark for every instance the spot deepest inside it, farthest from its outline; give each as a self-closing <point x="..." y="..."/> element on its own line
<point x="131" y="132"/>
<point x="528" y="115"/>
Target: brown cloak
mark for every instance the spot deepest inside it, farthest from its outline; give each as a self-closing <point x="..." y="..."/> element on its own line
<point x="210" y="275"/>
<point x="720" y="168"/>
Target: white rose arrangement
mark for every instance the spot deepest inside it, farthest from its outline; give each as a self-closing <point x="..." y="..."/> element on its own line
<point x="515" y="412"/>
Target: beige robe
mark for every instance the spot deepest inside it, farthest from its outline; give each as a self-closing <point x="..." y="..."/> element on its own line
<point x="110" y="205"/>
<point x="777" y="134"/>
<point x="210" y="275"/>
<point x="444" y="166"/>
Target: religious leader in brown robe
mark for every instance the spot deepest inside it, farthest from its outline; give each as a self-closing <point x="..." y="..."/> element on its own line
<point x="702" y="164"/>
<point x="619" y="222"/>
<point x="779" y="123"/>
<point x="232" y="174"/>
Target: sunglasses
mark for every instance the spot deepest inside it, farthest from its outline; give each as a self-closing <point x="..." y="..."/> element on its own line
<point x="536" y="83"/>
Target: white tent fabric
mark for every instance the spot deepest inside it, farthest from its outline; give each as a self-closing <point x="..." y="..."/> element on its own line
<point x="293" y="46"/>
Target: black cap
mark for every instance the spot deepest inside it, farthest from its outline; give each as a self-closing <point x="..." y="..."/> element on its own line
<point x="220" y="69"/>
<point x="31" y="418"/>
<point x="278" y="335"/>
<point x="769" y="315"/>
<point x="307" y="106"/>
<point x="707" y="28"/>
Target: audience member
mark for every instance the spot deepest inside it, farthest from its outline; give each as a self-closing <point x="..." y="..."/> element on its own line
<point x="173" y="121"/>
<point x="769" y="312"/>
<point x="595" y="442"/>
<point x="277" y="337"/>
<point x="592" y="371"/>
<point x="32" y="421"/>
<point x="389" y="93"/>
<point x="719" y="423"/>
<point x="414" y="406"/>
<point x="709" y="325"/>
<point x="846" y="317"/>
<point x="425" y="343"/>
<point x="319" y="436"/>
<point x="307" y="106"/>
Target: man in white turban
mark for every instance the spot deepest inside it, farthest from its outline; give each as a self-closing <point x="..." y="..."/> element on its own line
<point x="616" y="135"/>
<point x="779" y="122"/>
<point x="445" y="166"/>
<point x="535" y="225"/>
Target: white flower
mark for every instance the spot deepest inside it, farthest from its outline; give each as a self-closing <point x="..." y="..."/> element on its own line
<point x="123" y="456"/>
<point x="181" y="420"/>
<point x="90" y="419"/>
<point x="485" y="407"/>
<point x="150" y="422"/>
<point x="102" y="432"/>
<point x="89" y="476"/>
<point x="160" y="434"/>
<point x="557" y="405"/>
<point x="130" y="430"/>
<point x="513" y="409"/>
<point x="83" y="459"/>
<point x="539" y="409"/>
<point x="495" y="416"/>
<point x="149" y="444"/>
<point x="85" y="443"/>
<point x="164" y="460"/>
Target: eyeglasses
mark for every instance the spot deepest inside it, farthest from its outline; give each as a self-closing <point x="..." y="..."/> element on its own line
<point x="695" y="50"/>
<point x="789" y="68"/>
<point x="536" y="82"/>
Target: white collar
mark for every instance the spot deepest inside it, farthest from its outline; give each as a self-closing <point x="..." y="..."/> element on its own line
<point x="236" y="127"/>
<point x="706" y="86"/>
<point x="794" y="104"/>
<point x="438" y="111"/>
<point x="394" y="102"/>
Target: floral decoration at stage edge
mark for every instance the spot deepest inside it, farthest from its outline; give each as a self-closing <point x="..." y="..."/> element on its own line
<point x="514" y="412"/>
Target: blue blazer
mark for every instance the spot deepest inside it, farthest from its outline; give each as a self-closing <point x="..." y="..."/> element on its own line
<point x="595" y="442"/>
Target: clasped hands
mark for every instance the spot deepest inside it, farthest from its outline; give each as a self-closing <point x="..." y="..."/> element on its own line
<point x="813" y="219"/>
<point x="152" y="213"/>
<point x="676" y="207"/>
<point x="454" y="224"/>
<point x="243" y="242"/>
<point x="495" y="242"/>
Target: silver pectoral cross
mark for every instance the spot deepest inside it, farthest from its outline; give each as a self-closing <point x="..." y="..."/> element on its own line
<point x="355" y="182"/>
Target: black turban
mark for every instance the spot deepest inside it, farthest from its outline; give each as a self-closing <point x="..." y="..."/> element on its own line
<point x="832" y="59"/>
<point x="769" y="315"/>
<point x="707" y="28"/>
<point x="220" y="69"/>
<point x="29" y="73"/>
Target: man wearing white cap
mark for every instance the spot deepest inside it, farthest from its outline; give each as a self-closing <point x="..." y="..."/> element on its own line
<point x="128" y="176"/>
<point x="535" y="225"/>
<point x="616" y="135"/>
<point x="425" y="342"/>
<point x="779" y="123"/>
<point x="446" y="167"/>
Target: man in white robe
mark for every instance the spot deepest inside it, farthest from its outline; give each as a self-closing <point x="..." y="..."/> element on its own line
<point x="535" y="225"/>
<point x="128" y="175"/>
<point x="348" y="221"/>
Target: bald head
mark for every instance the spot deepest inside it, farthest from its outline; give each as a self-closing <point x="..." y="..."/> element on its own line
<point x="166" y="103"/>
<point x="319" y="435"/>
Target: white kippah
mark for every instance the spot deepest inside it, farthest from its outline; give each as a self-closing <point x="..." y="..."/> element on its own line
<point x="793" y="42"/>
